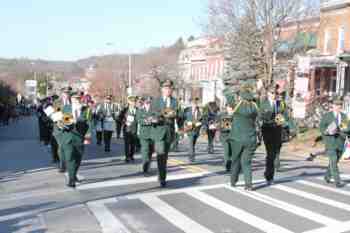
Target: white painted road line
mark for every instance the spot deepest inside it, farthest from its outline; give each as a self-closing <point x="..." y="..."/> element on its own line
<point x="335" y="190"/>
<point x="339" y="228"/>
<point x="174" y="216"/>
<point x="237" y="213"/>
<point x="313" y="197"/>
<point x="108" y="221"/>
<point x="315" y="217"/>
<point x="131" y="181"/>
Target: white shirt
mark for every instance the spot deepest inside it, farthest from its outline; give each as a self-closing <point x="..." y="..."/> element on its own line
<point x="167" y="102"/>
<point x="337" y="117"/>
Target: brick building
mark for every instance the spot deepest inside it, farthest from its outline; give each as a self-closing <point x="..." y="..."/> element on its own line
<point x="201" y="65"/>
<point x="327" y="69"/>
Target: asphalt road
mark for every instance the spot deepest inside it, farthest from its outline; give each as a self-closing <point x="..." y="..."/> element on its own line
<point x="116" y="197"/>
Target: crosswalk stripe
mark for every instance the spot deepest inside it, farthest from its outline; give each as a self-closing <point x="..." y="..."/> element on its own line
<point x="315" y="217"/>
<point x="242" y="215"/>
<point x="121" y="182"/>
<point x="174" y="216"/>
<point x="313" y="197"/>
<point x="339" y="228"/>
<point x="108" y="221"/>
<point x="335" y="190"/>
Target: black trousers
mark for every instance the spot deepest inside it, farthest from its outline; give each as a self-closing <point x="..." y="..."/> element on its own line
<point x="211" y="136"/>
<point x="107" y="136"/>
<point x="192" y="144"/>
<point x="118" y="128"/>
<point x="54" y="150"/>
<point x="272" y="136"/>
<point x="99" y="137"/>
<point x="130" y="140"/>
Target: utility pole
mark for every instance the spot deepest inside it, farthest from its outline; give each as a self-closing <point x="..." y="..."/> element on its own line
<point x="130" y="81"/>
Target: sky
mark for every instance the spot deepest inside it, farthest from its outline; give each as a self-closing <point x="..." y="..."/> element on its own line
<point x="74" y="29"/>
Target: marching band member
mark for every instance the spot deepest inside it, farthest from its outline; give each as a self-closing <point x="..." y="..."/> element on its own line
<point x="192" y="126"/>
<point x="243" y="136"/>
<point x="334" y="128"/>
<point x="164" y="110"/>
<point x="210" y="116"/>
<point x="71" y="147"/>
<point x="272" y="116"/>
<point x="105" y="122"/>
<point x="225" y="123"/>
<point x="128" y="117"/>
<point x="144" y="118"/>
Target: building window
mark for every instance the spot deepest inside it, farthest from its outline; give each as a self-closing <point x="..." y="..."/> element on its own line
<point x="341" y="39"/>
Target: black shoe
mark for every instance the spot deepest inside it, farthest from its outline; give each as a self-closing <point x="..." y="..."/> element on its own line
<point x="339" y="184"/>
<point x="107" y="150"/>
<point x="162" y="183"/>
<point x="127" y="160"/>
<point x="61" y="170"/>
<point x="71" y="184"/>
<point x="311" y="157"/>
<point x="269" y="182"/>
<point x="77" y="180"/>
<point x="145" y="167"/>
<point x="248" y="188"/>
<point x="327" y="179"/>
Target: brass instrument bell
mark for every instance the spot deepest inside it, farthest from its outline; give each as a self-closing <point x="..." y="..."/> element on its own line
<point x="168" y="113"/>
<point x="226" y="124"/>
<point x="280" y="119"/>
<point x="67" y="119"/>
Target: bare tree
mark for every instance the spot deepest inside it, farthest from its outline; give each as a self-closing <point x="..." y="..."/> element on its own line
<point x="251" y="29"/>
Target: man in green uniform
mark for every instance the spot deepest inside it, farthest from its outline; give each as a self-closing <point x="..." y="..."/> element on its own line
<point x="164" y="111"/>
<point x="272" y="116"/>
<point x="66" y="108"/>
<point x="192" y="124"/>
<point x="145" y="119"/>
<point x="225" y="123"/>
<point x="72" y="147"/>
<point x="128" y="116"/>
<point x="243" y="136"/>
<point x="334" y="126"/>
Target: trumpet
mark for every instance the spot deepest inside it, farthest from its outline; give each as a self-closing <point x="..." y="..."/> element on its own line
<point x="226" y="124"/>
<point x="168" y="113"/>
<point x="280" y="119"/>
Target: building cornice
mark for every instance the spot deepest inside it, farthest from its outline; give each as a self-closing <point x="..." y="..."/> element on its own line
<point x="334" y="5"/>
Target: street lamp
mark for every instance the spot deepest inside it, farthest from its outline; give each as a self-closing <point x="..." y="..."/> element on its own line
<point x="129" y="90"/>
